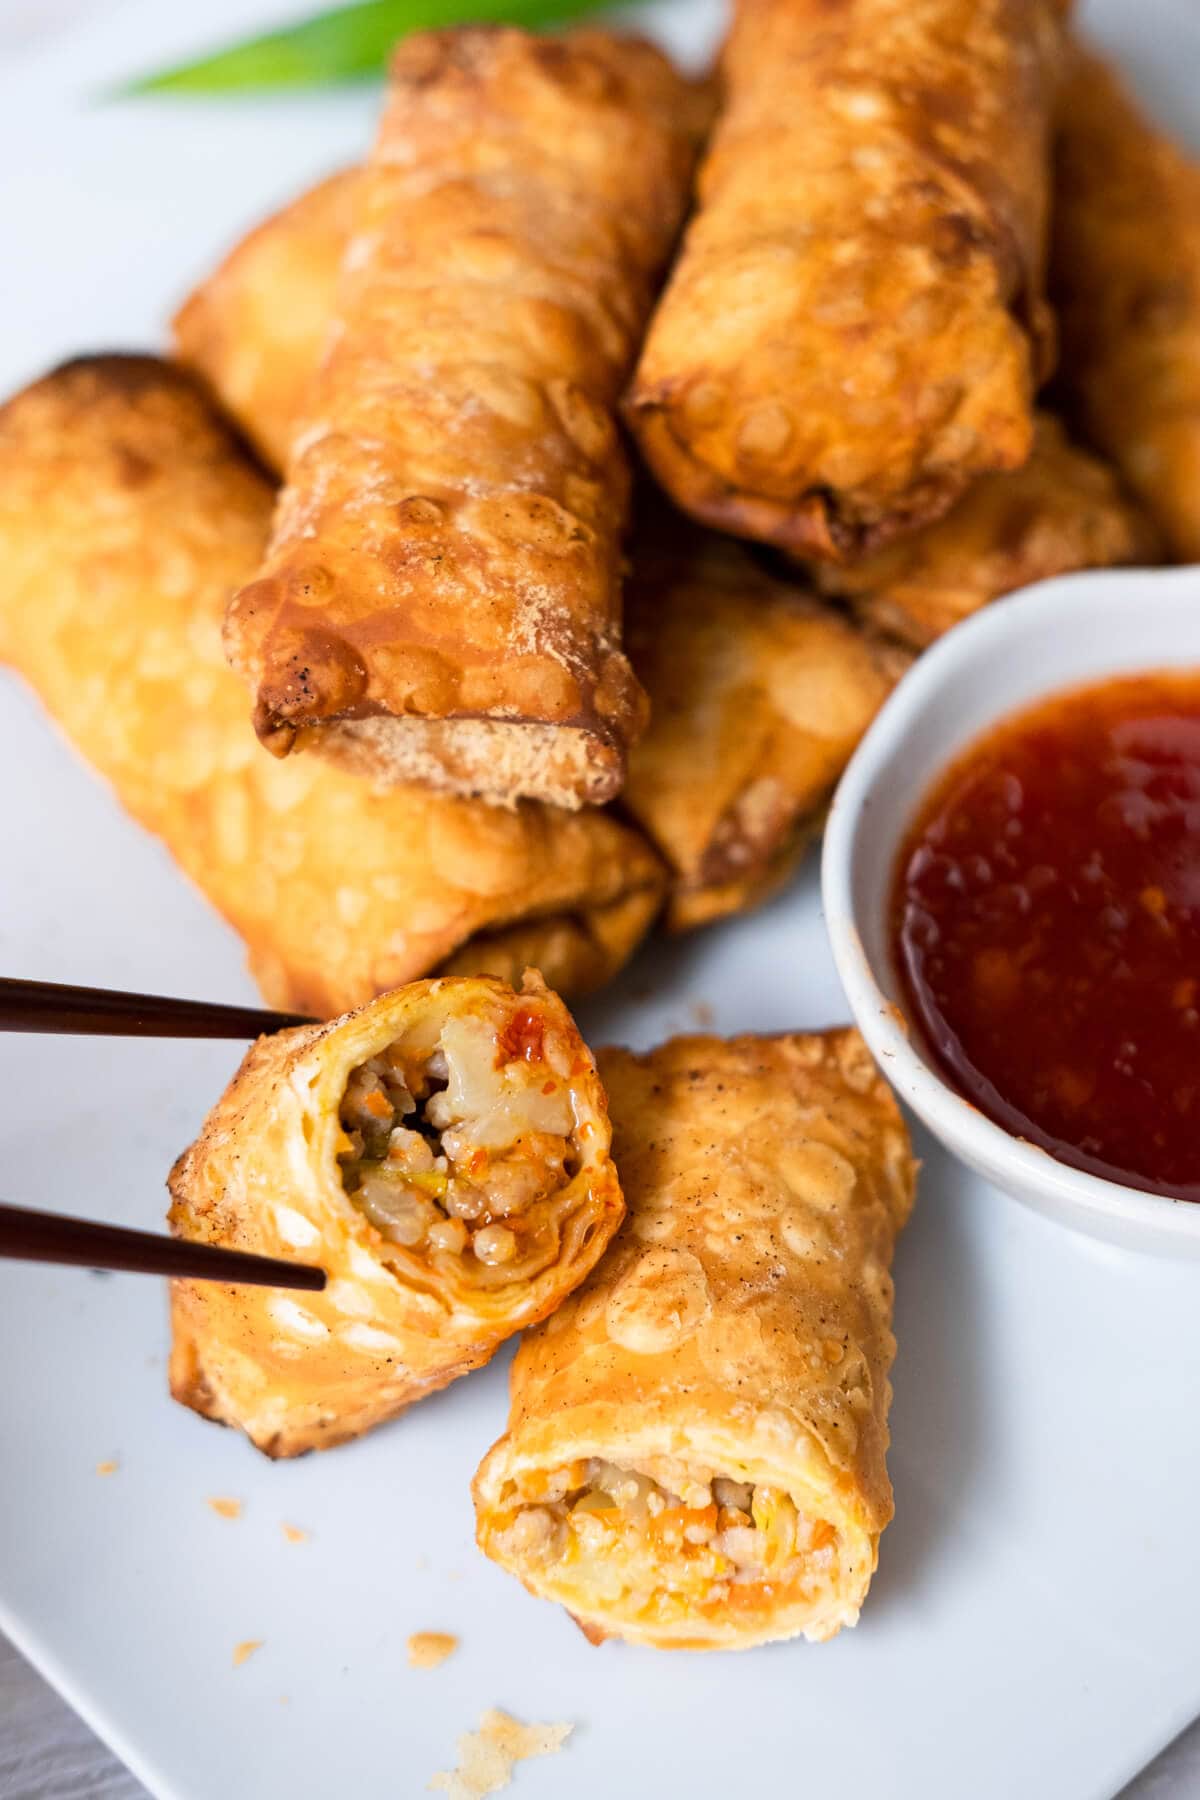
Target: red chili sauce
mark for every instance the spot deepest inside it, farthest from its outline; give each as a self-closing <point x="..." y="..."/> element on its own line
<point x="1046" y="926"/>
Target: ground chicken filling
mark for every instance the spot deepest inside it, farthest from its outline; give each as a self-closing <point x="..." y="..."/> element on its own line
<point x="667" y="1546"/>
<point x="457" y="1146"/>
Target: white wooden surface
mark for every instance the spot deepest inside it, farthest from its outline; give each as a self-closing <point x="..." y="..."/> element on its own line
<point x="46" y="1751"/>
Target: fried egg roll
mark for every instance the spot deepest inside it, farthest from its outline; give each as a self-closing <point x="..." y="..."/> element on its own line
<point x="442" y="1153"/>
<point x="440" y="598"/>
<point x="1064" y="510"/>
<point x="127" y="514"/>
<point x="1125" y="277"/>
<point x="855" y="324"/>
<point x="256" y="327"/>
<point x="759" y="694"/>
<point x="695" y="1455"/>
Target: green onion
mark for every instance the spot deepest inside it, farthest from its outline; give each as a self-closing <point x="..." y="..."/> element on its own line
<point x="343" y="45"/>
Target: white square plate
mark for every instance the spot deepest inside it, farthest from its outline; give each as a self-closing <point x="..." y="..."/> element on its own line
<point x="1032" y="1627"/>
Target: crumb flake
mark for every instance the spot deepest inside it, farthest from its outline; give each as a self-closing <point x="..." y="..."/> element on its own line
<point x="487" y="1757"/>
<point x="426" y="1649"/>
<point x="294" y="1534"/>
<point x="702" y="1014"/>
<point x="108" y="1468"/>
<point x="225" y="1508"/>
<point x="243" y="1651"/>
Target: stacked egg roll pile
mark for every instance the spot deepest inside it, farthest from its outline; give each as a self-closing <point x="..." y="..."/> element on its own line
<point x="758" y="693"/>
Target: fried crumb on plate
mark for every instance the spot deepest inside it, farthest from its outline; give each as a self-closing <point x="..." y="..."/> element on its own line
<point x="702" y="1015"/>
<point x="294" y="1534"/>
<point x="246" y="1649"/>
<point x="108" y="1468"/>
<point x="487" y="1757"/>
<point x="427" y="1649"/>
<point x="225" y="1508"/>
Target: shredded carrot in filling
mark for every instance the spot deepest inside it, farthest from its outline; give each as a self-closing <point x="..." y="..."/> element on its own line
<point x="452" y="1147"/>
<point x="646" y="1551"/>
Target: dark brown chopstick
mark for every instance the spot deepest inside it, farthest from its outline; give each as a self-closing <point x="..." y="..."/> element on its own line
<point x="106" y="1012"/>
<point x="27" y="1236"/>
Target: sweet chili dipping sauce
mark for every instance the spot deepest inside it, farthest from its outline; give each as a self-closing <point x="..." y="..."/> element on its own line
<point x="1046" y="926"/>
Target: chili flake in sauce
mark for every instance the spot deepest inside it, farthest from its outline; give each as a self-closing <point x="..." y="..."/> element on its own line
<point x="1046" y="927"/>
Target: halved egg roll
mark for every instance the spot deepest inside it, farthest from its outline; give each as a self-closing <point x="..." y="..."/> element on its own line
<point x="759" y="694"/>
<point x="855" y="324"/>
<point x="695" y="1455"/>
<point x="442" y="1153"/>
<point x="256" y="327"/>
<point x="440" y="599"/>
<point x="127" y="514"/>
<point x="1064" y="510"/>
<point x="1125" y="278"/>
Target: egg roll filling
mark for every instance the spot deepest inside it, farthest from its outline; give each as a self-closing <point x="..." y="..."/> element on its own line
<point x="664" y="1541"/>
<point x="458" y="1140"/>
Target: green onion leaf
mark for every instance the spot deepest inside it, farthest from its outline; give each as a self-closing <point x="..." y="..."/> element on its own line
<point x="343" y="45"/>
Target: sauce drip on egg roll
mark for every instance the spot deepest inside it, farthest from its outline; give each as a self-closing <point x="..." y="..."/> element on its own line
<point x="695" y="1455"/>
<point x="443" y="1154"/>
<point x="127" y="514"/>
<point x="855" y="324"/>
<point x="440" y="600"/>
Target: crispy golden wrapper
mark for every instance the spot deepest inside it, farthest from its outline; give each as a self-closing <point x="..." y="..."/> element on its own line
<point x="1125" y="277"/>
<point x="255" y="329"/>
<point x="442" y="1153"/>
<point x="695" y="1453"/>
<point x="759" y="694"/>
<point x="440" y="599"/>
<point x="1064" y="510"/>
<point x="855" y="324"/>
<point x="127" y="514"/>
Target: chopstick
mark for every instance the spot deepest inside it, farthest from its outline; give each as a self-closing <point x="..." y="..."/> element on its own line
<point x="106" y="1012"/>
<point x="27" y="1236"/>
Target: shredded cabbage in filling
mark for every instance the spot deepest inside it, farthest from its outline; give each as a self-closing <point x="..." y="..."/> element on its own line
<point x="663" y="1546"/>
<point x="454" y="1145"/>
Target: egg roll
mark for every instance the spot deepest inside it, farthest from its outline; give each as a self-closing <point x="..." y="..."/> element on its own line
<point x="759" y="694"/>
<point x="127" y="514"/>
<point x="440" y="598"/>
<point x="255" y="328"/>
<point x="695" y="1454"/>
<point x="1065" y="510"/>
<point x="442" y="1153"/>
<point x="855" y="324"/>
<point x="1125" y="278"/>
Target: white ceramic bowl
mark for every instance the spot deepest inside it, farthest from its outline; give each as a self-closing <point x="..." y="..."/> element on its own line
<point x="1059" y="634"/>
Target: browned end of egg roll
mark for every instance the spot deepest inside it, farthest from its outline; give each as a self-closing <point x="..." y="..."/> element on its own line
<point x="440" y="599"/>
<point x="695" y="1454"/>
<point x="256" y="327"/>
<point x="442" y="1153"/>
<point x="1064" y="510"/>
<point x="1125" y="278"/>
<point x="759" y="694"/>
<point x="855" y="323"/>
<point x="127" y="515"/>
